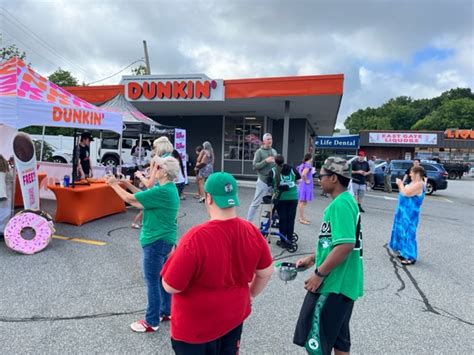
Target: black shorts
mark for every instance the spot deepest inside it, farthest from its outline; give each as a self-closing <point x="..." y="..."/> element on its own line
<point x="330" y="314"/>
<point x="228" y="344"/>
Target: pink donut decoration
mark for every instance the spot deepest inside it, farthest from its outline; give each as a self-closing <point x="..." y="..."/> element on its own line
<point x="41" y="229"/>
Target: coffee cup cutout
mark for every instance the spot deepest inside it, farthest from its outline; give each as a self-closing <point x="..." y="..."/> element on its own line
<point x="23" y="147"/>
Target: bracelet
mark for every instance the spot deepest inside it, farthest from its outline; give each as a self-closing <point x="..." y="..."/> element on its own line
<point x="319" y="274"/>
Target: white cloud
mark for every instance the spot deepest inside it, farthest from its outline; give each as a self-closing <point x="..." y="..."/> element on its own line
<point x="256" y="38"/>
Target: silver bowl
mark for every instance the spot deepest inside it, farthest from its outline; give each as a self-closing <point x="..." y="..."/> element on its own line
<point x="287" y="271"/>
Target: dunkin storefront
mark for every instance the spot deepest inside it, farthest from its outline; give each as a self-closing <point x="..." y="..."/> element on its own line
<point x="234" y="114"/>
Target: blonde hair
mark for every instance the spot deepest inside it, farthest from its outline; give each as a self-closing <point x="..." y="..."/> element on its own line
<point x="162" y="146"/>
<point x="4" y="168"/>
<point x="170" y="166"/>
<point x="207" y="146"/>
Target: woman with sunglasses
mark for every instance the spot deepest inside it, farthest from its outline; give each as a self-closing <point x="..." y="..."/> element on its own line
<point x="160" y="206"/>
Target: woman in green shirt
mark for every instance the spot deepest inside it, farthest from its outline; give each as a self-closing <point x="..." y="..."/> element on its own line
<point x="284" y="178"/>
<point x="160" y="206"/>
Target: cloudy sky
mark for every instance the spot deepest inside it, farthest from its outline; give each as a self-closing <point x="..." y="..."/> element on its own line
<point x="384" y="48"/>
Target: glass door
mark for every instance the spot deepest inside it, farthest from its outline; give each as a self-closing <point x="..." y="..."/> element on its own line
<point x="242" y="138"/>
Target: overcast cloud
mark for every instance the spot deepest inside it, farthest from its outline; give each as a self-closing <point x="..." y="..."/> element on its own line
<point x="384" y="48"/>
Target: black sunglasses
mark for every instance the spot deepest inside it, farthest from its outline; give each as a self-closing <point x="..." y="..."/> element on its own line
<point x="321" y="175"/>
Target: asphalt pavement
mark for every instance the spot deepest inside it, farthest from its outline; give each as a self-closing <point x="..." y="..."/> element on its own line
<point x="76" y="297"/>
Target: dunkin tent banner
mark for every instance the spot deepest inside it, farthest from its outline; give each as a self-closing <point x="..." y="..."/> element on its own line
<point x="28" y="99"/>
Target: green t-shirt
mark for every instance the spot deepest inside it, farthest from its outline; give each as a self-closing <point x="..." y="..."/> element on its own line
<point x="287" y="178"/>
<point x="161" y="204"/>
<point x="341" y="224"/>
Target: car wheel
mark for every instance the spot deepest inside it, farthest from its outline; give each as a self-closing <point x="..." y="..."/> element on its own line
<point x="59" y="160"/>
<point x="452" y="175"/>
<point x="429" y="188"/>
<point x="110" y="161"/>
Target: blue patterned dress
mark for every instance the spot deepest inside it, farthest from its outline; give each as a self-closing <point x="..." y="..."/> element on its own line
<point x="407" y="215"/>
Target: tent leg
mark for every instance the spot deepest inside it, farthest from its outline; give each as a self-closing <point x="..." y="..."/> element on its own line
<point x="119" y="167"/>
<point x="42" y="144"/>
<point x="74" y="160"/>
<point x="140" y="151"/>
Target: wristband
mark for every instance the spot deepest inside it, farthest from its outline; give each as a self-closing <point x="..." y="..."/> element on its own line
<point x="319" y="274"/>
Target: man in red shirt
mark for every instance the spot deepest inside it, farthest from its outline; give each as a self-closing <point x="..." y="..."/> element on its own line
<point x="216" y="270"/>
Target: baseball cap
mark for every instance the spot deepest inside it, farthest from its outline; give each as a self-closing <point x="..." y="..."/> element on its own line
<point x="338" y="166"/>
<point x="361" y="153"/>
<point x="85" y="135"/>
<point x="223" y="189"/>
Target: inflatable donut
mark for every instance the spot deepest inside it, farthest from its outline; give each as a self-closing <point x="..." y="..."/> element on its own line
<point x="39" y="226"/>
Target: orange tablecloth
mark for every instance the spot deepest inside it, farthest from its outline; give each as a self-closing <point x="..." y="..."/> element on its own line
<point x="84" y="203"/>
<point x="18" y="197"/>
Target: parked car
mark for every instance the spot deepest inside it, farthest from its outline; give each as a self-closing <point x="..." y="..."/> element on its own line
<point x="110" y="151"/>
<point x="455" y="169"/>
<point x="52" y="153"/>
<point x="436" y="174"/>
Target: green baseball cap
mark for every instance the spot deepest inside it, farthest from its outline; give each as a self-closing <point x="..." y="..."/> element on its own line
<point x="223" y="189"/>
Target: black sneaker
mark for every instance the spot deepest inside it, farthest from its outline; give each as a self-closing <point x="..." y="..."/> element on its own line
<point x="361" y="209"/>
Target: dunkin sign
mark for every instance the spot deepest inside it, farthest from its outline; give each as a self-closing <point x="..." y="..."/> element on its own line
<point x="145" y="89"/>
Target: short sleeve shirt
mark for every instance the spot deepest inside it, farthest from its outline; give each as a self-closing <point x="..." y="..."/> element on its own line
<point x="359" y="165"/>
<point x="341" y="224"/>
<point x="213" y="265"/>
<point x="160" y="210"/>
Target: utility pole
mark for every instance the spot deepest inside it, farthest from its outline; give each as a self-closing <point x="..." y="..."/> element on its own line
<point x="147" y="59"/>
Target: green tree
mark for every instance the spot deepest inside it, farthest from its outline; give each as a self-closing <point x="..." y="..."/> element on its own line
<point x="457" y="113"/>
<point x="62" y="78"/>
<point x="403" y="113"/>
<point x="140" y="70"/>
<point x="11" y="51"/>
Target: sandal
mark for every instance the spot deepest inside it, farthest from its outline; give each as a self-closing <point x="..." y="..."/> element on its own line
<point x="304" y="221"/>
<point x="408" y="262"/>
<point x="135" y="226"/>
<point x="196" y="196"/>
<point x="202" y="200"/>
<point x="143" y="327"/>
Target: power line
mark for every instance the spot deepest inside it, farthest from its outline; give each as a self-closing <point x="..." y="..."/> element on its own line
<point x="29" y="48"/>
<point x="110" y="76"/>
<point x="15" y="22"/>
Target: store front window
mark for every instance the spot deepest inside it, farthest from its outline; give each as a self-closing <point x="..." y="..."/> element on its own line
<point x="242" y="138"/>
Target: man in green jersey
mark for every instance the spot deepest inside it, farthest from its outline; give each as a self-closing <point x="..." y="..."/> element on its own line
<point x="337" y="281"/>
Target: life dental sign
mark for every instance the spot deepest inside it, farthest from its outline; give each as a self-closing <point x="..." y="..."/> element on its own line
<point x="147" y="89"/>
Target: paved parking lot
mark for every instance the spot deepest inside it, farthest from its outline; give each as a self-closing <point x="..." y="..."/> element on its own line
<point x="76" y="297"/>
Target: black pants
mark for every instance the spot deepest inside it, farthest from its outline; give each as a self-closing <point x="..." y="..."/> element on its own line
<point x="228" y="344"/>
<point x="287" y="212"/>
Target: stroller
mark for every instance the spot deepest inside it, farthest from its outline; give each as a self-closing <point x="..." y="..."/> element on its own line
<point x="269" y="226"/>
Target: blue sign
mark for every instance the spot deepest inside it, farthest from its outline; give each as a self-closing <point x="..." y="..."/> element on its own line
<point x="339" y="142"/>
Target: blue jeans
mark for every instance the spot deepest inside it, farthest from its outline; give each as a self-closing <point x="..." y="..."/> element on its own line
<point x="159" y="302"/>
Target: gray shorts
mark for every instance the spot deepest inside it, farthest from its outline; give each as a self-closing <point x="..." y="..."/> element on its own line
<point x="359" y="190"/>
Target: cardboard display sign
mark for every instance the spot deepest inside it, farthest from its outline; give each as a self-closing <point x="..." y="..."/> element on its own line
<point x="25" y="163"/>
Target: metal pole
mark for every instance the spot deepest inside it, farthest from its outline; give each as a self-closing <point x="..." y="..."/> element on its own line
<point x="140" y="151"/>
<point x="74" y="159"/>
<point x="286" y="130"/>
<point x="147" y="59"/>
<point x="119" y="167"/>
<point x="42" y="144"/>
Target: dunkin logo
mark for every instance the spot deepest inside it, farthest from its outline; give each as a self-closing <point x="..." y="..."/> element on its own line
<point x="73" y="115"/>
<point x="156" y="90"/>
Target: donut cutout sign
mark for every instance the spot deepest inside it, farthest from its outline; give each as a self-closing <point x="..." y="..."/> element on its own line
<point x="29" y="232"/>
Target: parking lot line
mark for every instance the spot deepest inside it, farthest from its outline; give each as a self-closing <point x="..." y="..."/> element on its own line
<point x="80" y="240"/>
<point x="384" y="197"/>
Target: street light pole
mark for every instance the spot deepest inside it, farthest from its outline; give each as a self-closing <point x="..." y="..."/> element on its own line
<point x="147" y="59"/>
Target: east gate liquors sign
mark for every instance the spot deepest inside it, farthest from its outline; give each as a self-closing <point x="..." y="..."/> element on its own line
<point x="408" y="138"/>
